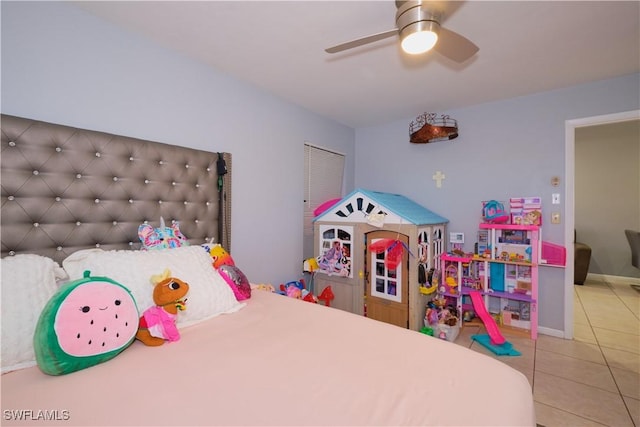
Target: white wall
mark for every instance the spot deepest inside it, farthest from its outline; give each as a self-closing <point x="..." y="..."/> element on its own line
<point x="505" y="149"/>
<point x="62" y="65"/>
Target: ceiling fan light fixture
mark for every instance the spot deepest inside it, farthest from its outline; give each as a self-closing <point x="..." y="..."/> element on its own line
<point x="418" y="26"/>
<point x="417" y="42"/>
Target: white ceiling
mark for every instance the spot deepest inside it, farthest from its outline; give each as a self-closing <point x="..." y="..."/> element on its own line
<point x="525" y="47"/>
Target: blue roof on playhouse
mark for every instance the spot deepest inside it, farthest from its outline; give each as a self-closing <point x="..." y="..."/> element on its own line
<point x="372" y="202"/>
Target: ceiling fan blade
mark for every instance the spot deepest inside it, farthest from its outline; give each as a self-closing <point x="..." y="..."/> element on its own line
<point x="455" y="46"/>
<point x="361" y="41"/>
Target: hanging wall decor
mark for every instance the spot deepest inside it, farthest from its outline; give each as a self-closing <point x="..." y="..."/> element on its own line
<point x="428" y="127"/>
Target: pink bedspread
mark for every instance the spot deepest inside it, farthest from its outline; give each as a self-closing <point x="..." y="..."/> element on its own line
<point x="280" y="361"/>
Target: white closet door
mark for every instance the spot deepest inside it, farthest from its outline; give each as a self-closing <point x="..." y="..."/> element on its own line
<point x="324" y="171"/>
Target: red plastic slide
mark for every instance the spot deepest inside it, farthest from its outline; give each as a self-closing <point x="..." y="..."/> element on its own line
<point x="490" y="325"/>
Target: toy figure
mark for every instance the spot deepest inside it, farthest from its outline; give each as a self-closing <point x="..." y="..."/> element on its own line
<point x="158" y="323"/>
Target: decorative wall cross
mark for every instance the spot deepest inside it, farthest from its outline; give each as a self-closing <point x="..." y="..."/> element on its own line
<point x="438" y="177"/>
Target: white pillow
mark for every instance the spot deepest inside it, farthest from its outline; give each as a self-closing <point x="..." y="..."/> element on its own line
<point x="28" y="282"/>
<point x="209" y="295"/>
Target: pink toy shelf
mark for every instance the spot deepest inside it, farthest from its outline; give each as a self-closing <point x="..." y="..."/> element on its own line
<point x="552" y="254"/>
<point x="510" y="288"/>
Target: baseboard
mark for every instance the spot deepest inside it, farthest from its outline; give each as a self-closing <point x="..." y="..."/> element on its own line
<point x="617" y="280"/>
<point x="551" y="332"/>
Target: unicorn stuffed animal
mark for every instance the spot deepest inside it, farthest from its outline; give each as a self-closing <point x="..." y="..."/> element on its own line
<point x="162" y="237"/>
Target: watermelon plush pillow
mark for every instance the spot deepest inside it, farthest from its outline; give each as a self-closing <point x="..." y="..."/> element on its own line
<point x="86" y="322"/>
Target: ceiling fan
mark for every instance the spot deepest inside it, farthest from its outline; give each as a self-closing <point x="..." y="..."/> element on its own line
<point x="418" y="23"/>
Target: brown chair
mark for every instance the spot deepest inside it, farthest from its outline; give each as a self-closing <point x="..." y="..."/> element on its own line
<point x="634" y="242"/>
<point x="581" y="261"/>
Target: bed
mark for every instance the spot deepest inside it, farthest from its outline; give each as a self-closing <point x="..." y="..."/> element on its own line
<point x="267" y="360"/>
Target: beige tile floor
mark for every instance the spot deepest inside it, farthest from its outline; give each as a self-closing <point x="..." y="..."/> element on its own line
<point x="594" y="379"/>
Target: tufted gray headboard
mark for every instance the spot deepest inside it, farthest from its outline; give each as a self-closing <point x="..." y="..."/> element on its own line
<point x="65" y="189"/>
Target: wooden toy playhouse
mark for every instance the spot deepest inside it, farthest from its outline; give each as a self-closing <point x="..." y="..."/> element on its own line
<point x="363" y="278"/>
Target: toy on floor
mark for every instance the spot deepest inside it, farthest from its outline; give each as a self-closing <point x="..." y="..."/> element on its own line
<point x="158" y="323"/>
<point x="297" y="289"/>
<point x="442" y="319"/>
<point x="431" y="315"/>
<point x="493" y="340"/>
<point x="505" y="349"/>
<point x="327" y="296"/>
<point x="292" y="289"/>
<point x="438" y="314"/>
<point x="427" y="330"/>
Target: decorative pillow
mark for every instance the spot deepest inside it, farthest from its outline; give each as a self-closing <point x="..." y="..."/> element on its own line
<point x="209" y="294"/>
<point x="162" y="237"/>
<point x="236" y="280"/>
<point x="28" y="281"/>
<point x="86" y="322"/>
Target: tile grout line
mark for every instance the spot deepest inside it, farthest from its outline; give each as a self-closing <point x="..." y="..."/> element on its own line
<point x="613" y="288"/>
<point x="624" y="402"/>
<point x="573" y="413"/>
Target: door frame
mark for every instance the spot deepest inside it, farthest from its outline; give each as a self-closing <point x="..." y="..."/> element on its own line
<point x="569" y="190"/>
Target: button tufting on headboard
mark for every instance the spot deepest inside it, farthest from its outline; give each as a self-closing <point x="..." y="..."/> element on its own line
<point x="65" y="189"/>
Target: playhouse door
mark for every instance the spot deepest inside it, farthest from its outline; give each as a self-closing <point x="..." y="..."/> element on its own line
<point x="386" y="290"/>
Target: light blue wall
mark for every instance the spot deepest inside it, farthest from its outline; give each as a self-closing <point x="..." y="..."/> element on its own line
<point x="505" y="149"/>
<point x="62" y="65"/>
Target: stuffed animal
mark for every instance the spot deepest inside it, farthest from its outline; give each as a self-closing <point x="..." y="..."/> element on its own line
<point x="224" y="264"/>
<point x="263" y="287"/>
<point x="158" y="323"/>
<point x="219" y="256"/>
<point x="292" y="289"/>
<point x="71" y="333"/>
<point x="162" y="237"/>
